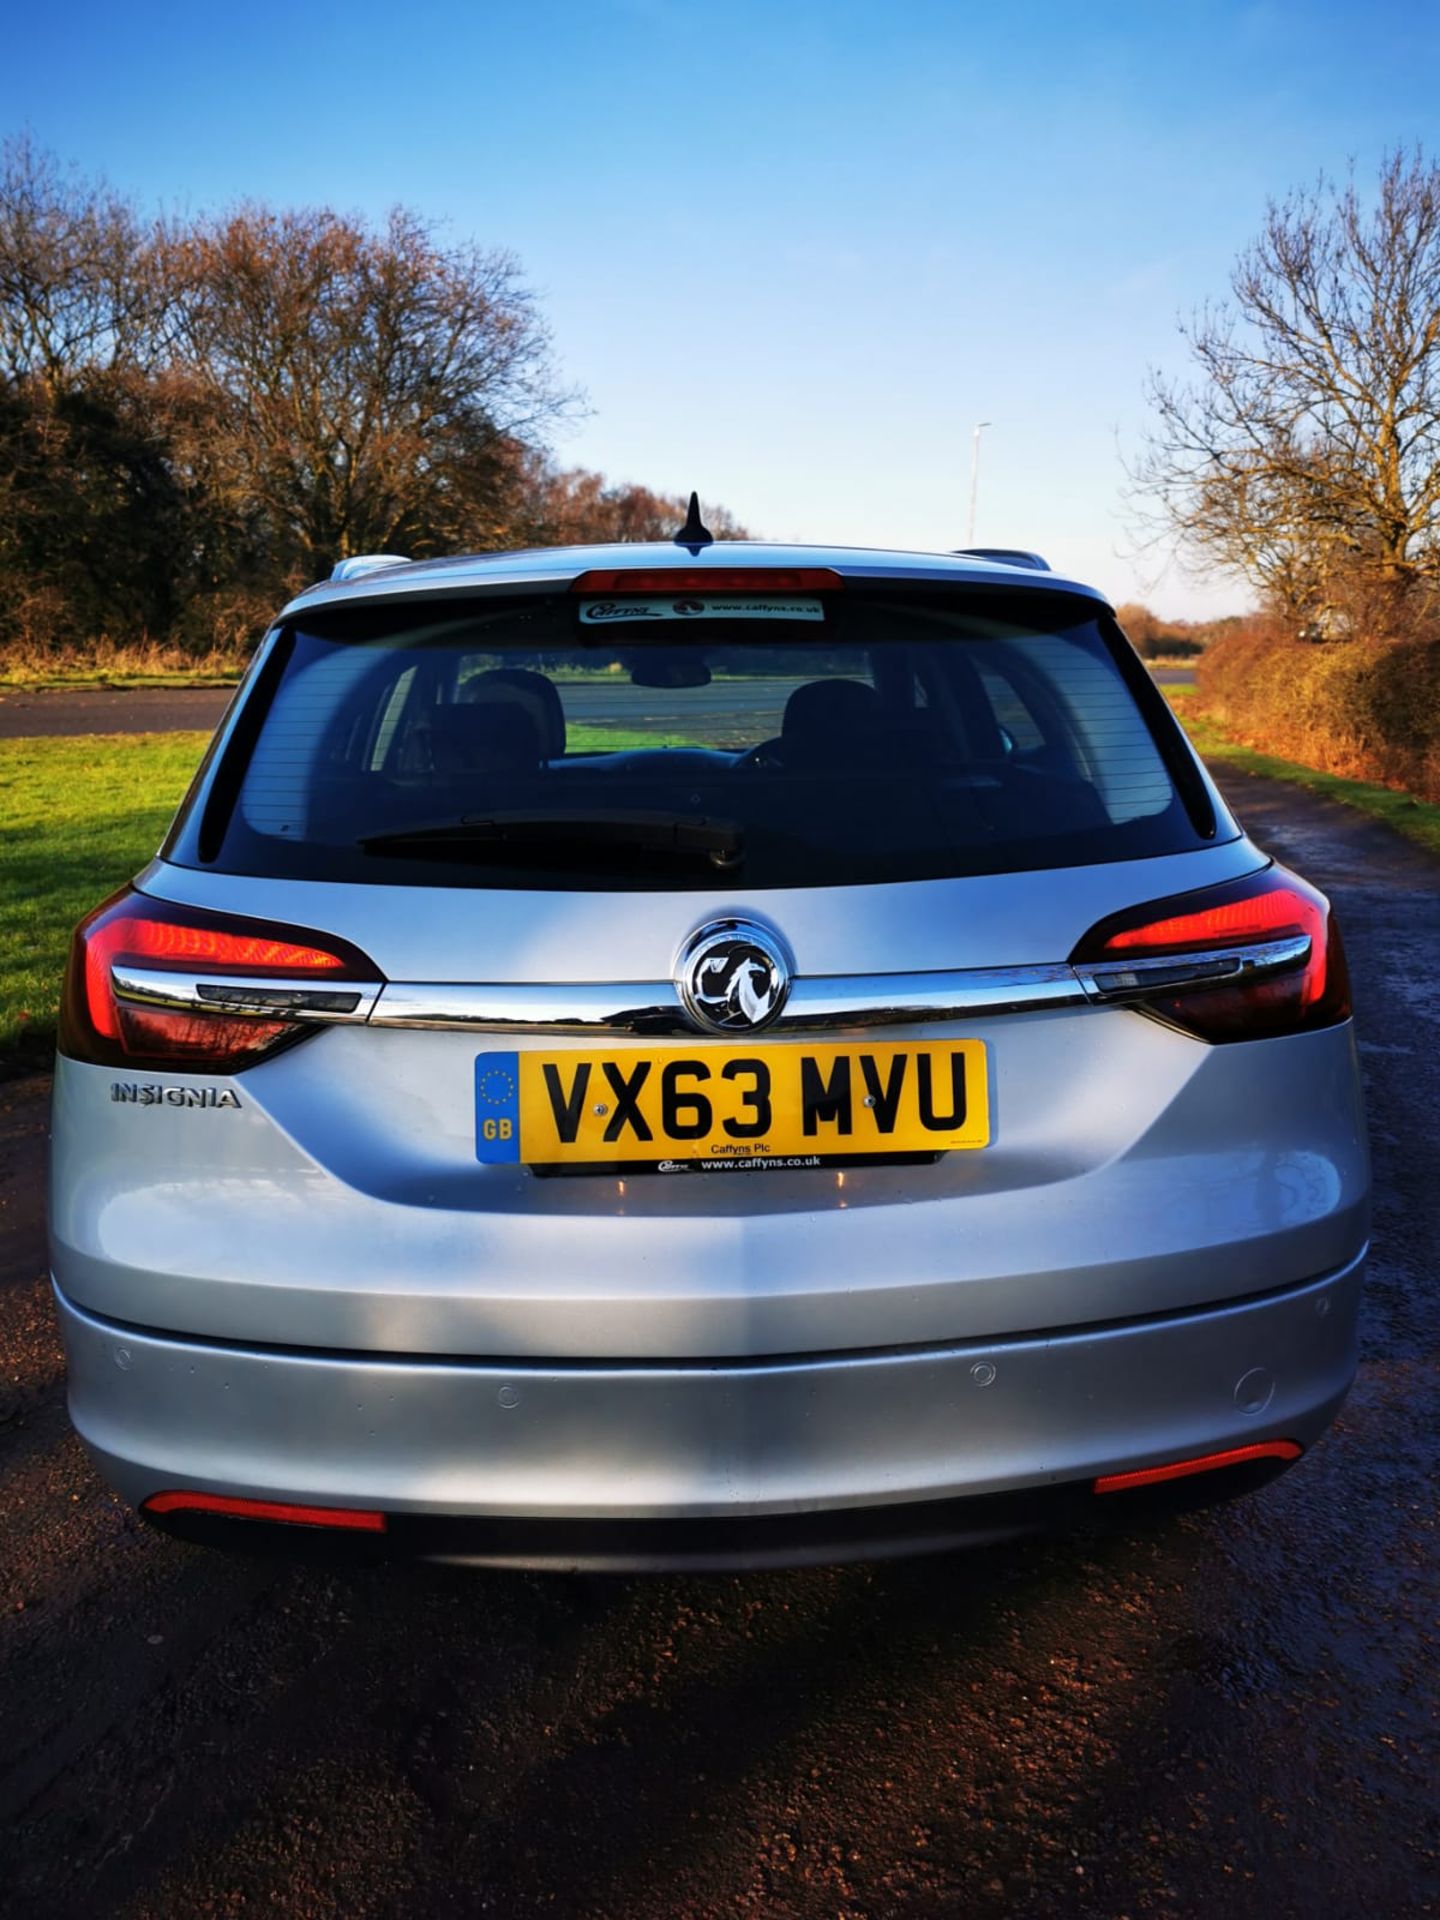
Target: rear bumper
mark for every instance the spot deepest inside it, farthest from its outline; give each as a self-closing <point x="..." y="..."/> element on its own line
<point x="575" y="1446"/>
<point x="825" y="1537"/>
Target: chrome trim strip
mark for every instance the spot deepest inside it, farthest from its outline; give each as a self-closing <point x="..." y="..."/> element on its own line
<point x="1118" y="980"/>
<point x="893" y="999"/>
<point x="521" y="1007"/>
<point x="296" y="999"/>
<point x="654" y="1007"/>
<point x="827" y="1002"/>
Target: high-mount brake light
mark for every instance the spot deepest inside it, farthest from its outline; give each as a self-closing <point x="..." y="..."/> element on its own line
<point x="152" y="984"/>
<point x="689" y="580"/>
<point x="346" y="1519"/>
<point x="1245" y="960"/>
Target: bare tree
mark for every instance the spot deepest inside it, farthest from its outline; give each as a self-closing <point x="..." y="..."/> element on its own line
<point x="79" y="291"/>
<point x="1305" y="448"/>
<point x="576" y="507"/>
<point x="90" y="521"/>
<point x="196" y="418"/>
<point x="370" y="388"/>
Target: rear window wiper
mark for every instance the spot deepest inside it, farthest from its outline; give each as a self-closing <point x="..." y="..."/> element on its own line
<point x="651" y="830"/>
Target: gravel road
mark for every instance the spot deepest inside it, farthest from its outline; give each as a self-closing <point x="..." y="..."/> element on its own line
<point x="1233" y="1716"/>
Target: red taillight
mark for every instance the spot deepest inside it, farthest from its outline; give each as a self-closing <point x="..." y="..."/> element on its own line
<point x="708" y="580"/>
<point x="1250" y="920"/>
<point x="130" y="930"/>
<point x="349" y="1519"/>
<point x="1202" y="1463"/>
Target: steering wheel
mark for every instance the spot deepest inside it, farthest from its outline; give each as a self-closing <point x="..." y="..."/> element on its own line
<point x="768" y="753"/>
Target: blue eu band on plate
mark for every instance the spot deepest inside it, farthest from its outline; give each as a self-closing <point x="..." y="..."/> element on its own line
<point x="497" y="1108"/>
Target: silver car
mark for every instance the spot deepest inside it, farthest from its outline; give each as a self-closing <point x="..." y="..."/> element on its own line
<point x="702" y="1055"/>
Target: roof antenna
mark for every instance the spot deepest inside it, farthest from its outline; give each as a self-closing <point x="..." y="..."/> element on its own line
<point x="694" y="534"/>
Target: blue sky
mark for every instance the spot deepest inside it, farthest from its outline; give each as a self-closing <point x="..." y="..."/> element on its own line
<point x="791" y="252"/>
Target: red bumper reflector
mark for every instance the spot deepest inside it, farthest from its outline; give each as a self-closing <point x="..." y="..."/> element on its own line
<point x="356" y="1519"/>
<point x="1205" y="1463"/>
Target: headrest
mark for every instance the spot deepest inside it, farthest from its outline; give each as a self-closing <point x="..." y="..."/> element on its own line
<point x="527" y="692"/>
<point x="822" y="709"/>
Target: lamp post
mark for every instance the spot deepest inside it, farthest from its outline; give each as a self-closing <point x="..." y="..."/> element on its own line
<point x="980" y="426"/>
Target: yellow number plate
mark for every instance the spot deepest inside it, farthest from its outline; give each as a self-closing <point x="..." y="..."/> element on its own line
<point x="737" y="1107"/>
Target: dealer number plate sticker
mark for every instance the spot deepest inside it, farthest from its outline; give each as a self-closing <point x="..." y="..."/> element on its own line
<point x="735" y="1109"/>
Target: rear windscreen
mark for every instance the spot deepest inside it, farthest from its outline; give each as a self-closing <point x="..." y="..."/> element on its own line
<point x="532" y="744"/>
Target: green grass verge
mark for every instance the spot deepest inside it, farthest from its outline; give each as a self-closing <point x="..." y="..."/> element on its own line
<point x="1418" y="820"/>
<point x="111" y="682"/>
<point x="581" y="738"/>
<point x="78" y="817"/>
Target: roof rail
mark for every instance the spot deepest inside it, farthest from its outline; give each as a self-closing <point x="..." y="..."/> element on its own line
<point x="1007" y="557"/>
<point x="362" y="563"/>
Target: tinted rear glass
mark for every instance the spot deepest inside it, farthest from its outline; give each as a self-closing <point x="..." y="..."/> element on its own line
<point x="507" y="744"/>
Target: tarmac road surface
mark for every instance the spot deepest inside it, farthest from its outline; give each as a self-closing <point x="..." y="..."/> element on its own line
<point x="1233" y="1716"/>
<point x="26" y="716"/>
<point x="49" y="713"/>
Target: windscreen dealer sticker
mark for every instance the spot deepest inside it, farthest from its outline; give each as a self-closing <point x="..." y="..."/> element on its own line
<point x="604" y="613"/>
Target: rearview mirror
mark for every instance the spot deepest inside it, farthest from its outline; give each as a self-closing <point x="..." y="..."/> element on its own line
<point x="668" y="667"/>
